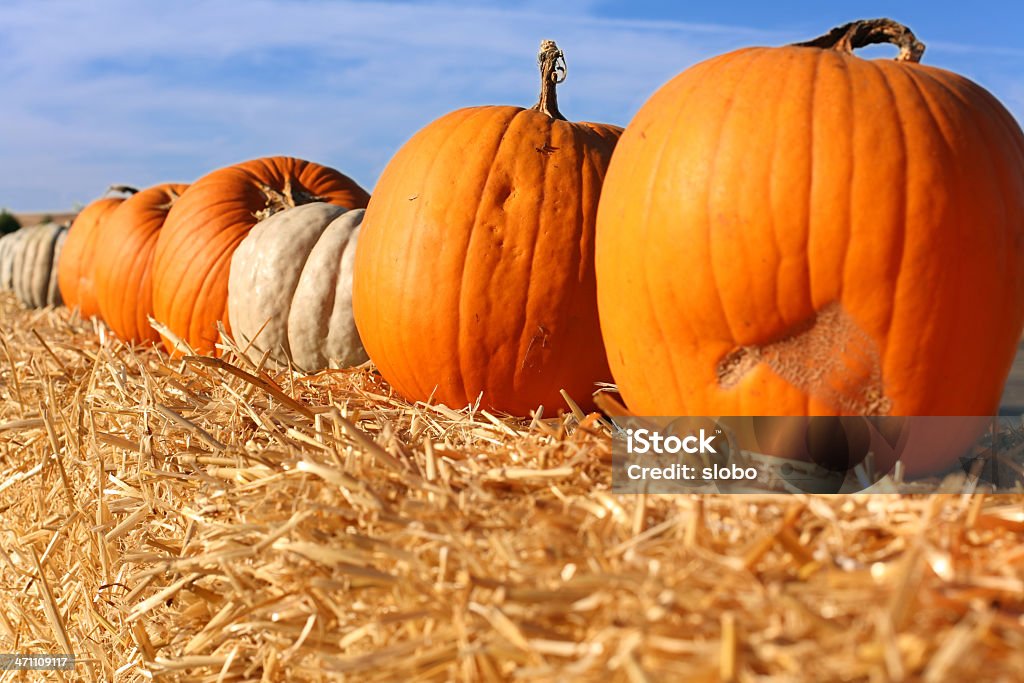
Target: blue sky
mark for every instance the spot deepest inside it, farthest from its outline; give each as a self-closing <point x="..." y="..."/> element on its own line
<point x="144" y="92"/>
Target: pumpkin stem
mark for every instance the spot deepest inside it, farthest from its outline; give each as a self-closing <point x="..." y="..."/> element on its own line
<point x="124" y="189"/>
<point x="280" y="200"/>
<point x="553" y="71"/>
<point x="848" y="37"/>
<point x="172" y="196"/>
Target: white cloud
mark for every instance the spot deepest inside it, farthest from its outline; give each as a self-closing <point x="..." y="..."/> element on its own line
<point x="106" y="92"/>
<point x="71" y="128"/>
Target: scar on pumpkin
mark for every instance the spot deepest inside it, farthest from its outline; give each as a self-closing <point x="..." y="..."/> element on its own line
<point x="542" y="335"/>
<point x="829" y="357"/>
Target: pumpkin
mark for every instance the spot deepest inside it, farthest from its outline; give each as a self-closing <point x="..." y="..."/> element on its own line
<point x="290" y="288"/>
<point x="474" y="272"/>
<point x="7" y="243"/>
<point x="27" y="260"/>
<point x="123" y="267"/>
<point x="205" y="226"/>
<point x="799" y="231"/>
<point x="75" y="270"/>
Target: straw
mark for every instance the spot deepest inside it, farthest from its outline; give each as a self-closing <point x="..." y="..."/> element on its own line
<point x="206" y="519"/>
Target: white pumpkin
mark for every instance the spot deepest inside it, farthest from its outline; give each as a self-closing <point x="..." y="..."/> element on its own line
<point x="290" y="288"/>
<point x="32" y="264"/>
<point x="7" y="248"/>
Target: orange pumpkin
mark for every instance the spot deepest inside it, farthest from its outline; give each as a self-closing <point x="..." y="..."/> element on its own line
<point x="124" y="264"/>
<point x="75" y="269"/>
<point x="474" y="270"/>
<point x="799" y="231"/>
<point x="203" y="228"/>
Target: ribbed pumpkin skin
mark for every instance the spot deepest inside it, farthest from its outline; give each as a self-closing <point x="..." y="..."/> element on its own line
<point x="28" y="259"/>
<point x="76" y="268"/>
<point x="290" y="289"/>
<point x="849" y="233"/>
<point x="474" y="270"/>
<point x="124" y="264"/>
<point x="8" y="244"/>
<point x="203" y="228"/>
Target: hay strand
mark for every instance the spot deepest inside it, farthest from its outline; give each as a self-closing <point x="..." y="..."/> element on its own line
<point x="204" y="519"/>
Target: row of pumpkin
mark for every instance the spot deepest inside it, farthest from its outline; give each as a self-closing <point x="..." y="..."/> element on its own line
<point x="103" y="266"/>
<point x="785" y="230"/>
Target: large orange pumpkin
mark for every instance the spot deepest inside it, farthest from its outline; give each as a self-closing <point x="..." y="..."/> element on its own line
<point x="124" y="263"/>
<point x="203" y="228"/>
<point x="799" y="231"/>
<point x="76" y="269"/>
<point x="474" y="270"/>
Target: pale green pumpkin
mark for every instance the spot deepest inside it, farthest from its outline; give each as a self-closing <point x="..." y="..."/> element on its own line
<point x="290" y="288"/>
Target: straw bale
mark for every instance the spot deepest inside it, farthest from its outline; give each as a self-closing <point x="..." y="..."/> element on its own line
<point x="206" y="519"/>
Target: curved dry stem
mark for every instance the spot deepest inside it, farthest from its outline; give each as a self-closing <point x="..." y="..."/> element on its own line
<point x="172" y="196"/>
<point x="123" y="189"/>
<point x="553" y="71"/>
<point x="856" y="34"/>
